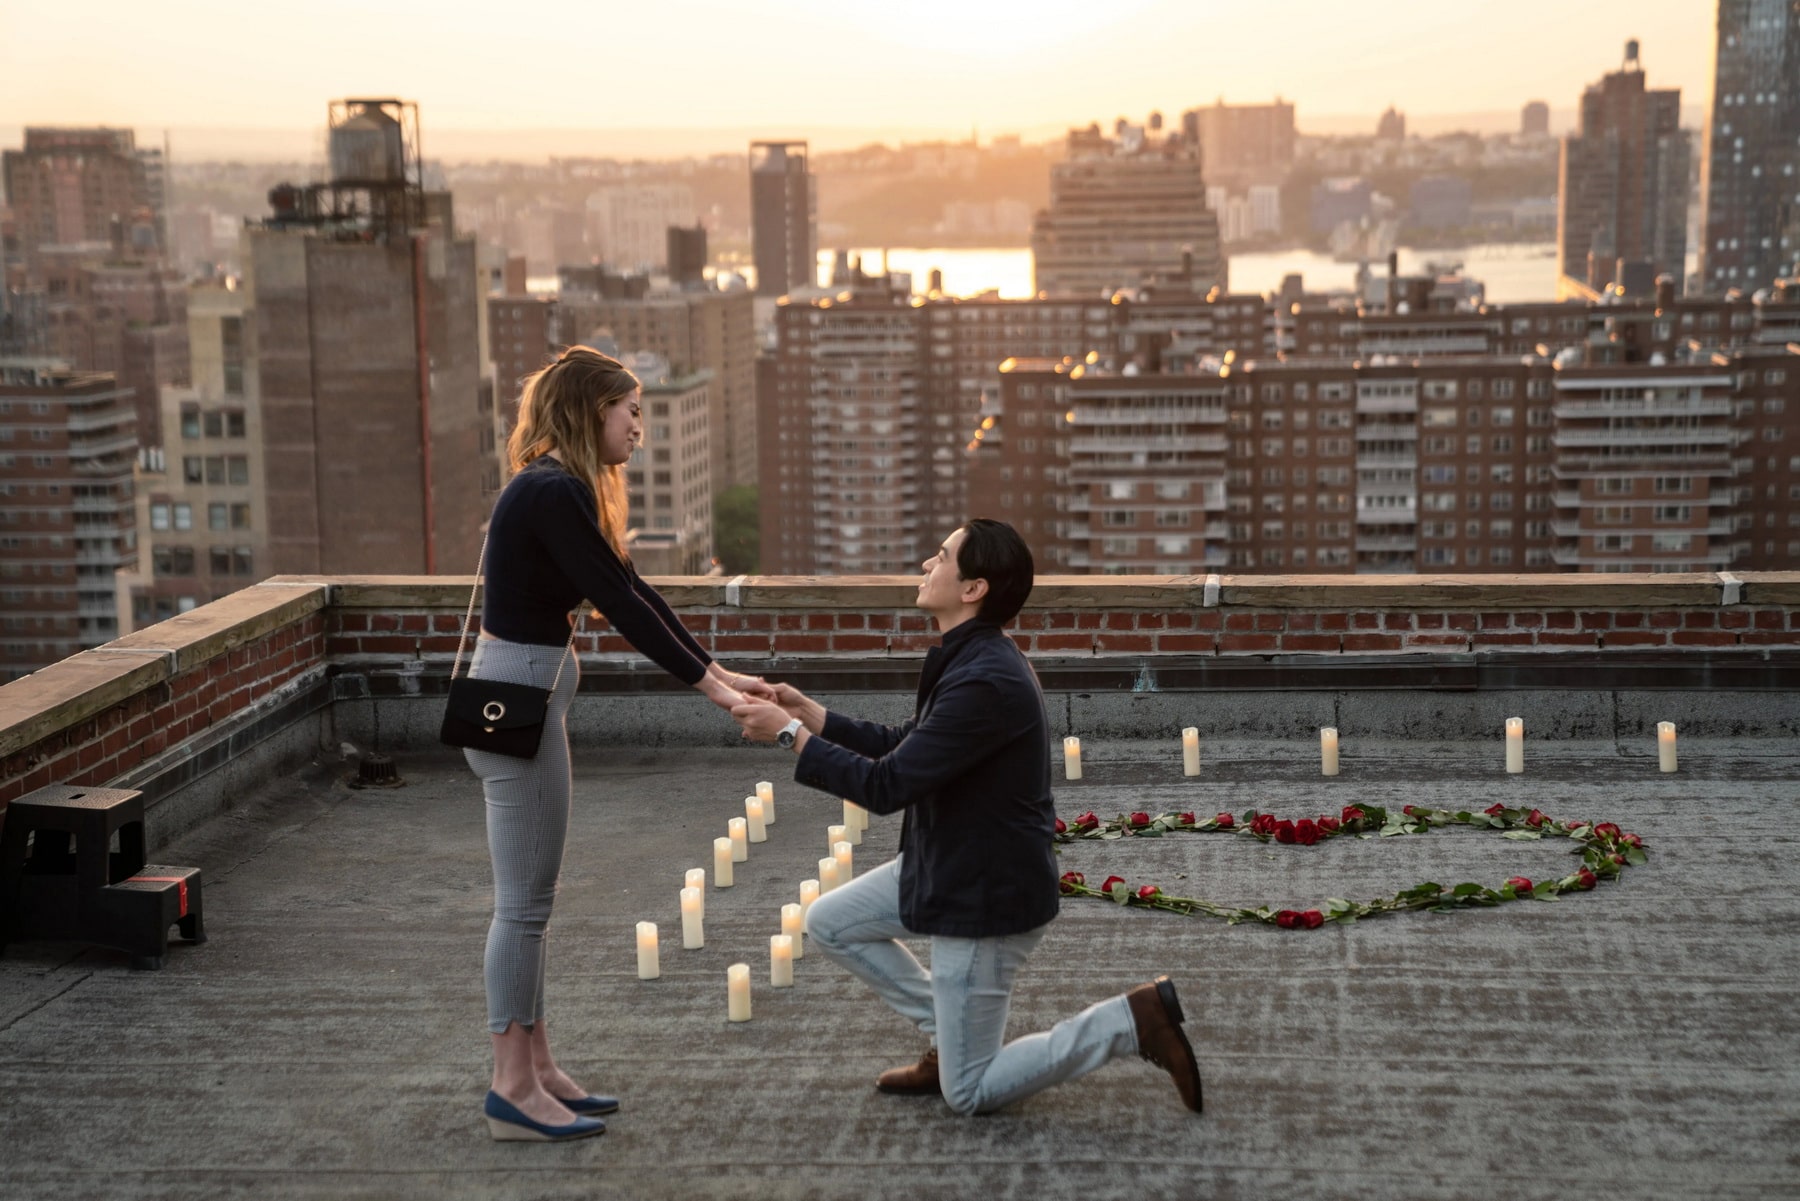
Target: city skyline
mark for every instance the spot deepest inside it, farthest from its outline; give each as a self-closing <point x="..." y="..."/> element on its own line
<point x="999" y="67"/>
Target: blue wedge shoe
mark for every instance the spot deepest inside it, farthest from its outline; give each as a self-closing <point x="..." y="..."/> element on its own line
<point x="508" y="1124"/>
<point x="590" y="1107"/>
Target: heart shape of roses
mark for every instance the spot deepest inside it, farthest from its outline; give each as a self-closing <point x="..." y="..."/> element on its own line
<point x="1605" y="850"/>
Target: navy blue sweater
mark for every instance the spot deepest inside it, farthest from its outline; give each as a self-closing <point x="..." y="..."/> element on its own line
<point x="545" y="555"/>
<point x="972" y="771"/>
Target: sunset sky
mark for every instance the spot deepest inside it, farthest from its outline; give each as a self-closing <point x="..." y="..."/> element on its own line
<point x="806" y="67"/>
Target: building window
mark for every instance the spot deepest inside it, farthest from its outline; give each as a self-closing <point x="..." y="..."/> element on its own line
<point x="159" y="516"/>
<point x="190" y="421"/>
<point x="184" y="516"/>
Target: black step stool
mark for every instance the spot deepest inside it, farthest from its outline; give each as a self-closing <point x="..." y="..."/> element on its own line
<point x="61" y="879"/>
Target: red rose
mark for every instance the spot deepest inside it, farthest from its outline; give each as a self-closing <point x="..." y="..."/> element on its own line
<point x="1353" y="813"/>
<point x="1584" y="879"/>
<point x="1567" y="825"/>
<point x="1149" y="892"/>
<point x="1070" y="880"/>
<point x="1329" y="824"/>
<point x="1186" y="819"/>
<point x="1085" y="820"/>
<point x="1060" y="828"/>
<point x="1264" y="823"/>
<point x="1407" y="809"/>
<point x="1312" y="919"/>
<point x="1607" y="830"/>
<point x="1306" y="832"/>
<point x="1110" y="881"/>
<point x="1495" y="809"/>
<point x="1140" y="819"/>
<point x="1284" y="831"/>
<point x="1224" y="821"/>
<point x="1619" y="860"/>
<point x="1287" y="919"/>
<point x="1631" y="840"/>
<point x="1518" y="884"/>
<point x="1535" y="818"/>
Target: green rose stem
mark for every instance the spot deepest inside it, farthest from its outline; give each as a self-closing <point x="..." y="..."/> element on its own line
<point x="1605" y="850"/>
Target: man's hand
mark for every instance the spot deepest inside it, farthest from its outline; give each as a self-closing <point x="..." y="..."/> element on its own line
<point x="797" y="704"/>
<point x="760" y="720"/>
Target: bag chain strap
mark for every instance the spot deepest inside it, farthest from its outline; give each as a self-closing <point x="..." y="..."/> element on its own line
<point x="469" y="619"/>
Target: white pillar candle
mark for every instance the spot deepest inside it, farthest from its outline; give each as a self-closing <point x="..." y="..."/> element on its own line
<point x="862" y="816"/>
<point x="740" y="839"/>
<point x="852" y="824"/>
<point x="721" y="863"/>
<point x="835" y="835"/>
<point x="1328" y="751"/>
<point x="648" y="966"/>
<point x="781" y="961"/>
<point x="1190" y="751"/>
<point x="737" y="988"/>
<point x="793" y="924"/>
<point x="753" y="817"/>
<point x="1515" y="744"/>
<point x="696" y="879"/>
<point x="765" y="792"/>
<point x="809" y="892"/>
<point x="828" y="874"/>
<point x="841" y="852"/>
<point x="693" y="927"/>
<point x="1665" y="745"/>
<point x="1072" y="757"/>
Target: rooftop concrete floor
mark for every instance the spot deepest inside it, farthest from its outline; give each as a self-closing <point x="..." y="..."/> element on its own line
<point x="328" y="1041"/>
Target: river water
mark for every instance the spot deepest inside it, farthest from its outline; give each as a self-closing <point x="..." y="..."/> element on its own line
<point x="1513" y="272"/>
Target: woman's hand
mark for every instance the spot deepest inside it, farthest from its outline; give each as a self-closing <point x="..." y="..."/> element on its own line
<point x="747" y="685"/>
<point x="719" y="693"/>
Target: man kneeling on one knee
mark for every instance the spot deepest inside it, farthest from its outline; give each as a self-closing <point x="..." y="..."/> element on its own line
<point x="976" y="872"/>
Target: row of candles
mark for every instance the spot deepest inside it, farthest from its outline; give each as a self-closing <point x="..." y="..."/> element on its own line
<point x="785" y="947"/>
<point x="1328" y="749"/>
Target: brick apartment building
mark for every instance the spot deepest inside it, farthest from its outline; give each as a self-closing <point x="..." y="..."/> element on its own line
<point x="1179" y="433"/>
<point x="67" y="443"/>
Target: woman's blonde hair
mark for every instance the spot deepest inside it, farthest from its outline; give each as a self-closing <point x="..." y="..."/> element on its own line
<point x="562" y="409"/>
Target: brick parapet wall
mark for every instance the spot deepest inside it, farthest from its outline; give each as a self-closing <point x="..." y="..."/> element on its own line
<point x="103" y="713"/>
<point x="95" y="716"/>
<point x="788" y="619"/>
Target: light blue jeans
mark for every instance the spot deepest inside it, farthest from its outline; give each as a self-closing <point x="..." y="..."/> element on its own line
<point x="961" y="1003"/>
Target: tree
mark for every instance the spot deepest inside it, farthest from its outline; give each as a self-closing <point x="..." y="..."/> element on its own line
<point x="735" y="534"/>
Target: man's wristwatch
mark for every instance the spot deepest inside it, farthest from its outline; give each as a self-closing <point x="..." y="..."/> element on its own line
<point x="785" y="739"/>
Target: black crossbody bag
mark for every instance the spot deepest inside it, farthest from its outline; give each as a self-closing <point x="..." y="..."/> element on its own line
<point x="492" y="715"/>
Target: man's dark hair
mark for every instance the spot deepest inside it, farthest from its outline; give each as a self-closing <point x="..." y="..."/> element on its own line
<point x="993" y="551"/>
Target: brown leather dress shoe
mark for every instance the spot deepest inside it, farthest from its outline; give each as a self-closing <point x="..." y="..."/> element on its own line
<point x="1157" y="1012"/>
<point x="914" y="1080"/>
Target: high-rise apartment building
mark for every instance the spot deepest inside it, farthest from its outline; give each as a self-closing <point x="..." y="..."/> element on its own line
<point x="1429" y="433"/>
<point x="628" y="224"/>
<point x="84" y="186"/>
<point x="670" y="478"/>
<point x="202" y="511"/>
<point x="1534" y="119"/>
<point x="379" y="438"/>
<point x="66" y="448"/>
<point x="1622" y="195"/>
<point x="1750" y="175"/>
<point x="1243" y="143"/>
<point x="1124" y="211"/>
<point x="840" y="449"/>
<point x="784" y="218"/>
<point x="694" y="329"/>
<point x="522" y="338"/>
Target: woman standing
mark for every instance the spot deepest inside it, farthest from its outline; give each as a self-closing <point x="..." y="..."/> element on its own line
<point x="557" y="539"/>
